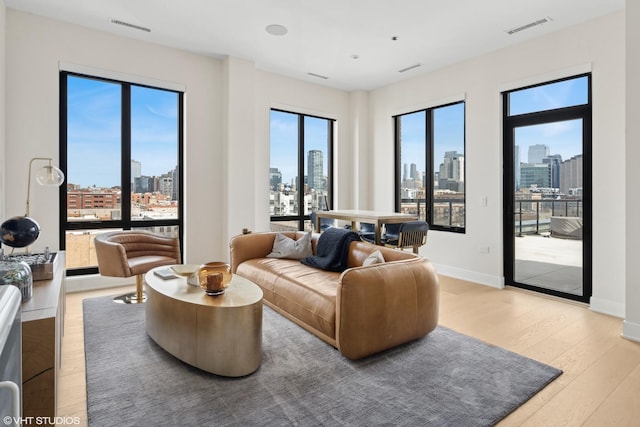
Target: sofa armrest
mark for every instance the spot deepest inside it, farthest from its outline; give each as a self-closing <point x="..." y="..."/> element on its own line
<point x="384" y="305"/>
<point x="250" y="246"/>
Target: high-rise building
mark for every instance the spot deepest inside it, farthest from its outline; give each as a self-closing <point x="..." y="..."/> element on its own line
<point x="451" y="173"/>
<point x="405" y="172"/>
<point x="174" y="184"/>
<point x="136" y="172"/>
<point x="143" y="184"/>
<point x="275" y="178"/>
<point x="571" y="175"/>
<point x="414" y="173"/>
<point x="535" y="174"/>
<point x="314" y="170"/>
<point x="166" y="185"/>
<point x="554" y="161"/>
<point x="538" y="152"/>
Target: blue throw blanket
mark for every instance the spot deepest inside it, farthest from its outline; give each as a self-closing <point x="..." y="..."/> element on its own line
<point x="332" y="250"/>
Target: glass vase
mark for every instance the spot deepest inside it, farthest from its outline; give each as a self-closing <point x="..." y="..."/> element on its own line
<point x="218" y="269"/>
<point x="17" y="273"/>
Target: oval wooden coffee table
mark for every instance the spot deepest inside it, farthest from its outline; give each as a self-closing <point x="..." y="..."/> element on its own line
<point x="221" y="334"/>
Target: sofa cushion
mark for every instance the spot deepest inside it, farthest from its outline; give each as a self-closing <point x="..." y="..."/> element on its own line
<point x="307" y="293"/>
<point x="286" y="247"/>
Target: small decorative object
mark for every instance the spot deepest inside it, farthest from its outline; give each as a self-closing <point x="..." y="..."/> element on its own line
<point x="41" y="264"/>
<point x="214" y="284"/>
<point x="190" y="271"/>
<point x="19" y="231"/>
<point x="17" y="273"/>
<point x="218" y="271"/>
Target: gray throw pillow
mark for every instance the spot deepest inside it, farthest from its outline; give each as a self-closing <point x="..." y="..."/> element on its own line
<point x="285" y="247"/>
<point x="375" y="258"/>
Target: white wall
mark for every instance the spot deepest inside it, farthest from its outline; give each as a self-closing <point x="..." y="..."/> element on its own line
<point x="36" y="46"/>
<point x="240" y="188"/>
<point x="631" y="326"/>
<point x="597" y="46"/>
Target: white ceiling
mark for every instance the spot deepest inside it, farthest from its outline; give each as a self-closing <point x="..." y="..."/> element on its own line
<point x="324" y="35"/>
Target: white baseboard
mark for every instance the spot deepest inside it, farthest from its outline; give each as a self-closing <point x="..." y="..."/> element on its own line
<point x="471" y="276"/>
<point x="604" y="306"/>
<point x="608" y="307"/>
<point x="631" y="330"/>
<point x="95" y="281"/>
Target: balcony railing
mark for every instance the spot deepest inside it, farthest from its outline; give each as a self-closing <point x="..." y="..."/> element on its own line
<point x="448" y="212"/>
<point x="534" y="215"/>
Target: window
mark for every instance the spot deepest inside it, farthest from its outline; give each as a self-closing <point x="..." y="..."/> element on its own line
<point x="120" y="150"/>
<point x="300" y="168"/>
<point x="430" y="166"/>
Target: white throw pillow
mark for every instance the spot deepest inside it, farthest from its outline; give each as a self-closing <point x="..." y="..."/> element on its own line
<point x="375" y="258"/>
<point x="285" y="247"/>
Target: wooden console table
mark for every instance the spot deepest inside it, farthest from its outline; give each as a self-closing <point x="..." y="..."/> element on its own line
<point x="42" y="329"/>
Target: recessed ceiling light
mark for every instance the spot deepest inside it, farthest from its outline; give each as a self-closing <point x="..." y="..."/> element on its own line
<point x="276" y="30"/>
<point x="355" y="56"/>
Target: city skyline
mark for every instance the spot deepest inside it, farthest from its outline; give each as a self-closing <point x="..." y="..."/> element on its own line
<point x="284" y="142"/>
<point x="94" y="131"/>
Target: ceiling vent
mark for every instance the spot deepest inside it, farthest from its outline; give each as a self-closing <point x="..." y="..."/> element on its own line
<point x="127" y="24"/>
<point x="410" y="68"/>
<point x="529" y="25"/>
<point x="318" y="76"/>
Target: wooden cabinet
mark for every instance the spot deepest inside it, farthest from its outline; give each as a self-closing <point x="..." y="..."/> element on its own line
<point x="42" y="329"/>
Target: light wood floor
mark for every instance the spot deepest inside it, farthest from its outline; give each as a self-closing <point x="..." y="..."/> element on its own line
<point x="600" y="385"/>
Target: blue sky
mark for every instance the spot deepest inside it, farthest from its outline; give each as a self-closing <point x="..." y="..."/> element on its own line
<point x="564" y="138"/>
<point x="448" y="135"/>
<point x="284" y="142"/>
<point x="94" y="131"/>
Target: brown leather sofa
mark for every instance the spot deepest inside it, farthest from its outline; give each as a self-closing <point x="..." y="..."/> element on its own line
<point x="361" y="311"/>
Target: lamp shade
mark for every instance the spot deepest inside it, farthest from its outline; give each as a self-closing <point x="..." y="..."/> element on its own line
<point x="19" y="231"/>
<point x="49" y="175"/>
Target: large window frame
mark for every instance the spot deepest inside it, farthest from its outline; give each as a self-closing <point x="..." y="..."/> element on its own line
<point x="512" y="120"/>
<point x="300" y="219"/>
<point x="429" y="211"/>
<point x="125" y="222"/>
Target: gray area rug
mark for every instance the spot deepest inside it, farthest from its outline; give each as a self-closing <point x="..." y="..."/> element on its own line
<point x="444" y="379"/>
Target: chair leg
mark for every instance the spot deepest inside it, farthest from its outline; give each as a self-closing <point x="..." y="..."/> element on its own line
<point x="134" y="298"/>
<point x="140" y="296"/>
